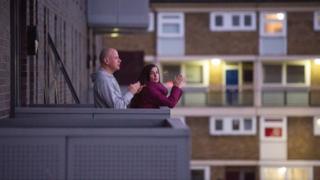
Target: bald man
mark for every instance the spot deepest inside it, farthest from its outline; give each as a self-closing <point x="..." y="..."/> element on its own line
<point x="106" y="89"/>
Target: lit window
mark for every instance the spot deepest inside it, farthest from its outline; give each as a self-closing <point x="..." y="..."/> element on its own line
<point x="232" y="21"/>
<point x="273" y="128"/>
<point x="170" y="24"/>
<point x="194" y="74"/>
<point x="316" y="20"/>
<point x="287" y="173"/>
<point x="273" y="24"/>
<point x="316" y="125"/>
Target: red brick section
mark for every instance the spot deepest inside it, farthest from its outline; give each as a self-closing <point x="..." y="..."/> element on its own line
<point x="302" y="144"/>
<point x="201" y="41"/>
<point x="144" y="41"/>
<point x="4" y="58"/>
<point x="301" y="24"/>
<point x="208" y="147"/>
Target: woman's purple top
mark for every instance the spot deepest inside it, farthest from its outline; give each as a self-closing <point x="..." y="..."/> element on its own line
<point x="154" y="95"/>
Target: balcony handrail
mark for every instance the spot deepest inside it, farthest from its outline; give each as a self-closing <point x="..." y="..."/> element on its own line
<point x="63" y="69"/>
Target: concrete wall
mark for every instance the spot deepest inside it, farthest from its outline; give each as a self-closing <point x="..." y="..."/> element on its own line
<point x="4" y="58"/>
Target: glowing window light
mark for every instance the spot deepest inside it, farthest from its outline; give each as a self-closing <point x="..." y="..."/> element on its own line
<point x="318" y="122"/>
<point x="282" y="170"/>
<point x="280" y="16"/>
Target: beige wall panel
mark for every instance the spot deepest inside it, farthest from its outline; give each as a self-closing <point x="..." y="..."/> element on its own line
<point x="315" y="74"/>
<point x="216" y="74"/>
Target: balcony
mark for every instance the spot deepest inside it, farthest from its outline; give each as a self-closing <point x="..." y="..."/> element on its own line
<point x="295" y="97"/>
<point x="227" y="96"/>
<point x="87" y="143"/>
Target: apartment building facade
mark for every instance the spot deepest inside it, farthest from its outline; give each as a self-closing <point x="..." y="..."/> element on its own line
<point x="252" y="94"/>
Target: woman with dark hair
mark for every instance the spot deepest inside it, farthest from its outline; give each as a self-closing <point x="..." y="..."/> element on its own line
<point x="154" y="94"/>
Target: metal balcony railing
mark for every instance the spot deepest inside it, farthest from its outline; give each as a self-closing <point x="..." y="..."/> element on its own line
<point x="90" y="143"/>
<point x="291" y="96"/>
<point x="215" y="97"/>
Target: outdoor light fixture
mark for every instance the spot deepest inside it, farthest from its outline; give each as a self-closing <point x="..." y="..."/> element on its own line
<point x="317" y="61"/>
<point x="114" y="35"/>
<point x="215" y="61"/>
<point x="115" y="29"/>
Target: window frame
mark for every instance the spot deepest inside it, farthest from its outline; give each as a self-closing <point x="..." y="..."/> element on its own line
<point x="206" y="169"/>
<point x="284" y="79"/>
<point x="179" y="21"/>
<point x="316" y="24"/>
<point x="227" y="21"/>
<point x="204" y="74"/>
<point x="263" y="21"/>
<point x="151" y="22"/>
<point x="281" y="124"/>
<point x="227" y="126"/>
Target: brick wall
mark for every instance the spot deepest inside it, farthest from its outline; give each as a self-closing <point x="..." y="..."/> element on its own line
<point x="206" y="146"/>
<point x="142" y="41"/>
<point x="302" y="144"/>
<point x="301" y="24"/>
<point x="4" y="58"/>
<point x="66" y="23"/>
<point x="201" y="41"/>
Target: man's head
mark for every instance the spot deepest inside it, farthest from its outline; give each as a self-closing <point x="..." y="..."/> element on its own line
<point x="110" y="60"/>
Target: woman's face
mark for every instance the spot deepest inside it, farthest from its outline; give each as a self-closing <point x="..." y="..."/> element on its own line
<point x="154" y="75"/>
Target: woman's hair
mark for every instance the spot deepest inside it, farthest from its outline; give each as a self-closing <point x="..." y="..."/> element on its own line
<point x="145" y="74"/>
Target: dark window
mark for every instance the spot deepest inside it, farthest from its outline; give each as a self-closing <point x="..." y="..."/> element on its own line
<point x="131" y="67"/>
<point x="197" y="175"/>
<point x="169" y="72"/>
<point x="247" y="76"/>
<point x="219" y="20"/>
<point x="295" y="74"/>
<point x="235" y="20"/>
<point x="272" y="73"/>
<point x="236" y="124"/>
<point x="247" y="20"/>
<point x="219" y="125"/>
